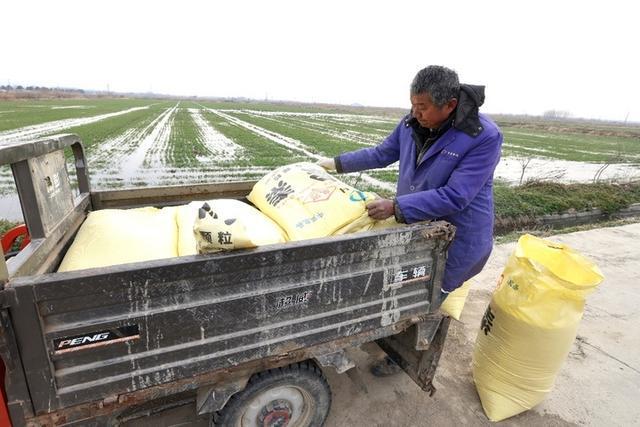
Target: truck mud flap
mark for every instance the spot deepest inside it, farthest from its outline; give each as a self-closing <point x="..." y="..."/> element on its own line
<point x="417" y="350"/>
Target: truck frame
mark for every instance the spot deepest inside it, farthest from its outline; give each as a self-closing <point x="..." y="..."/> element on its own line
<point x="107" y="346"/>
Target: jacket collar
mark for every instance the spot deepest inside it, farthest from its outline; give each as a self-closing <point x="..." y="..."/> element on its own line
<point x="442" y="142"/>
<point x="466" y="119"/>
<point x="446" y="137"/>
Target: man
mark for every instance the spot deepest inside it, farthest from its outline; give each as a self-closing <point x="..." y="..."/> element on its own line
<point x="447" y="152"/>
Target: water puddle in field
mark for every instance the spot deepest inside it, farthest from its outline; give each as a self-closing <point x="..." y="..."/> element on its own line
<point x="162" y="176"/>
<point x="335" y="116"/>
<point x="158" y="137"/>
<point x="292" y="144"/>
<point x="323" y="127"/>
<point x="39" y="130"/>
<point x="510" y="168"/>
<point x="219" y="146"/>
<point x="68" y="107"/>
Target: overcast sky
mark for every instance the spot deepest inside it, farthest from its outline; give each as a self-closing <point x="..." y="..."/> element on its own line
<point x="532" y="56"/>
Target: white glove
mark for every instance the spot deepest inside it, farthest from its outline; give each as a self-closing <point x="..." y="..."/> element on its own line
<point x="327" y="163"/>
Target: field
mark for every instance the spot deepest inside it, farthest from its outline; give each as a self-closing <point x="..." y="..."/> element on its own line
<point x="138" y="142"/>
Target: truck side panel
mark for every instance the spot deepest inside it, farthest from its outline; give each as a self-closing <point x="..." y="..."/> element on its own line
<point x="97" y="333"/>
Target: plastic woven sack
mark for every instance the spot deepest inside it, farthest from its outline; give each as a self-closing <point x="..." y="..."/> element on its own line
<point x="530" y="325"/>
<point x="224" y="224"/>
<point x="307" y="202"/>
<point x="119" y="236"/>
<point x="454" y="303"/>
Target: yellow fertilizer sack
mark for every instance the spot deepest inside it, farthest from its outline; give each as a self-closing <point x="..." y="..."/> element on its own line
<point x="307" y="202"/>
<point x="530" y="325"/>
<point x="119" y="236"/>
<point x="186" y="217"/>
<point x="365" y="223"/>
<point x="224" y="224"/>
<point x="454" y="303"/>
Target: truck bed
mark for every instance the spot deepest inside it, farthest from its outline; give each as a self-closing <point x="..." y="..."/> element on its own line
<point x="181" y="317"/>
<point x="90" y="338"/>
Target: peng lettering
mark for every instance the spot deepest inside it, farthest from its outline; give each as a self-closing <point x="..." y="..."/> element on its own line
<point x="83" y="340"/>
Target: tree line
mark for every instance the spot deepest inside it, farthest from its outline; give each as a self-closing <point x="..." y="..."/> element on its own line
<point x="10" y="88"/>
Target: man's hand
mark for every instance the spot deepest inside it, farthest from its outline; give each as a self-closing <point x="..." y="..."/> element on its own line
<point x="327" y="163"/>
<point x="381" y="209"/>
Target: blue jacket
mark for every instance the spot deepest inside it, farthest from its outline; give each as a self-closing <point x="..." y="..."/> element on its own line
<point x="453" y="182"/>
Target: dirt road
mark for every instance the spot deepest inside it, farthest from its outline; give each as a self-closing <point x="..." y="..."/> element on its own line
<point x="598" y="384"/>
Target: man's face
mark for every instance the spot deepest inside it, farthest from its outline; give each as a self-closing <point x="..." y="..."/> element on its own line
<point x="427" y="114"/>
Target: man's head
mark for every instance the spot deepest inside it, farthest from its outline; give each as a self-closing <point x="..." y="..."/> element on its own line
<point x="434" y="95"/>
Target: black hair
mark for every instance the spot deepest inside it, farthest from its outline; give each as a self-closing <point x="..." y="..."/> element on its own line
<point x="441" y="83"/>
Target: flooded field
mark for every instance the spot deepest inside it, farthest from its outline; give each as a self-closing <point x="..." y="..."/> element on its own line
<point x="132" y="143"/>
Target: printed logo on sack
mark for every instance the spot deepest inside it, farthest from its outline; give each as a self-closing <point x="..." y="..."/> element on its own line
<point x="487" y="320"/>
<point x="96" y="339"/>
<point x="317" y="194"/>
<point x="278" y="193"/>
<point x="307" y="221"/>
<point x="357" y="196"/>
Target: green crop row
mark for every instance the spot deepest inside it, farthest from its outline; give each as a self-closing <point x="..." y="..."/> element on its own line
<point x="318" y="141"/>
<point x="258" y="150"/>
<point x="343" y="130"/>
<point x="17" y="114"/>
<point x="576" y="147"/>
<point x="185" y="145"/>
<point x="374" y="127"/>
<point x="95" y="133"/>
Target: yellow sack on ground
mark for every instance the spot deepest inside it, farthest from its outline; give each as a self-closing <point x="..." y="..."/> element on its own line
<point x="454" y="303"/>
<point x="530" y="325"/>
<point x="224" y="225"/>
<point x="119" y="236"/>
<point x="307" y="202"/>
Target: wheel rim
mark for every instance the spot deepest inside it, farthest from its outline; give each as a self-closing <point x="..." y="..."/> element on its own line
<point x="284" y="406"/>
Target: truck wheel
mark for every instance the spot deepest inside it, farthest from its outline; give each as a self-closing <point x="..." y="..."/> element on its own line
<point x="297" y="395"/>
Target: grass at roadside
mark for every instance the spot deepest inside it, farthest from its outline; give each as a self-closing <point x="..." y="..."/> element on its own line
<point x="5" y="225"/>
<point x="513" y="236"/>
<point x="540" y="198"/>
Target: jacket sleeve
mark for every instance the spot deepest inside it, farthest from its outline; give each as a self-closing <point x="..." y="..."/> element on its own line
<point x="379" y="156"/>
<point x="464" y="184"/>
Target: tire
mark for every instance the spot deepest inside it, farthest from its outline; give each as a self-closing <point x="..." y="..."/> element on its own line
<point x="296" y="395"/>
